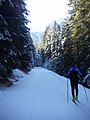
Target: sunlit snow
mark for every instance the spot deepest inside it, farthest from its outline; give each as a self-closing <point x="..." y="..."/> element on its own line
<point x="42" y="95"/>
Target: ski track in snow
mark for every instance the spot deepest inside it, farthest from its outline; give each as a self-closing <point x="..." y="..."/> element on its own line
<point x="42" y="95"/>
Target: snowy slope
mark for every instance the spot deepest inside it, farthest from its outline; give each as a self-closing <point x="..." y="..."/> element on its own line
<point x="42" y="95"/>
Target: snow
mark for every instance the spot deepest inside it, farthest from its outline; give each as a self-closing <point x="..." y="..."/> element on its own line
<point x="6" y="32"/>
<point x="16" y="75"/>
<point x="42" y="95"/>
<point x="3" y="20"/>
<point x="11" y="3"/>
<point x="1" y="36"/>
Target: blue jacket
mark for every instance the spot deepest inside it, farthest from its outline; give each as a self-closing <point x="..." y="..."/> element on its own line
<point x="74" y="68"/>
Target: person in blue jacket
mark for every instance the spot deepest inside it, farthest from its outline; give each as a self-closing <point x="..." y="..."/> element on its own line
<point x="74" y="74"/>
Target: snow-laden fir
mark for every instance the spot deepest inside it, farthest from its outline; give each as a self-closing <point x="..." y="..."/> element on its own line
<point x="42" y="95"/>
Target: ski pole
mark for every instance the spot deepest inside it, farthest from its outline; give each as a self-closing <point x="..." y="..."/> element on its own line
<point x="85" y="93"/>
<point x="67" y="90"/>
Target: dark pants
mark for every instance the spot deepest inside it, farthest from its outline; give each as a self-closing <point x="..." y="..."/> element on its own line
<point x="74" y="87"/>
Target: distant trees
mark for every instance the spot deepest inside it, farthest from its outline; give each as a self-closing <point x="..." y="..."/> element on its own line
<point x="16" y="45"/>
<point x="51" y="47"/>
<point x="69" y="43"/>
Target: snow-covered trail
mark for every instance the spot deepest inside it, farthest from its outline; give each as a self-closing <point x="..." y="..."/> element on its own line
<point x="42" y="95"/>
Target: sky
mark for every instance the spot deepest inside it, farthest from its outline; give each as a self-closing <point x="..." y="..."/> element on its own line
<point x="43" y="12"/>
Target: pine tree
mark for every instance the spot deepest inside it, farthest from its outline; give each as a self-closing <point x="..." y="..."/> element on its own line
<point x="51" y="47"/>
<point x="16" y="45"/>
<point x="77" y="34"/>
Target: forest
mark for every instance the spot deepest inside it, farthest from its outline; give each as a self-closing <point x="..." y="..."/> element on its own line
<point x="69" y="42"/>
<point x="61" y="45"/>
<point x="17" y="50"/>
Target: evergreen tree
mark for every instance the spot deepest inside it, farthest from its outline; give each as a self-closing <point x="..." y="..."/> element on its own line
<point x="77" y="34"/>
<point x="16" y="45"/>
<point x="71" y="44"/>
<point x="51" y="47"/>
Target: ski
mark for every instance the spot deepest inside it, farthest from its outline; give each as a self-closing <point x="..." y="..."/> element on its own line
<point x="77" y="101"/>
<point x="74" y="102"/>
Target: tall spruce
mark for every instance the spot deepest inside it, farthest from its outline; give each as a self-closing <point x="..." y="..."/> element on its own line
<point x="16" y="45"/>
<point x="77" y="34"/>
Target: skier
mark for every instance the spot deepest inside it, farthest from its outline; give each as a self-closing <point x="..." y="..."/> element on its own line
<point x="74" y="74"/>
